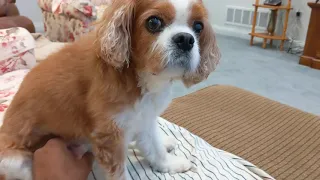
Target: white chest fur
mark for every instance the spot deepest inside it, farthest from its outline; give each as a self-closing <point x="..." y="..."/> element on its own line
<point x="145" y="111"/>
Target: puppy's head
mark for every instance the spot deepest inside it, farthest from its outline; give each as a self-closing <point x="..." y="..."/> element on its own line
<point x="171" y="38"/>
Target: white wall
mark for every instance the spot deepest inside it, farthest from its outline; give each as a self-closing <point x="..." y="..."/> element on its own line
<point x="217" y="8"/>
<point x="217" y="11"/>
<point x="31" y="9"/>
<point x="302" y="6"/>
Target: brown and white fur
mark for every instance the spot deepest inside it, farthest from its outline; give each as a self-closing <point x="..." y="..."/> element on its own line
<point x="108" y="88"/>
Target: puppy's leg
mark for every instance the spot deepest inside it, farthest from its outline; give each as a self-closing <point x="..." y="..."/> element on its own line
<point x="109" y="148"/>
<point x="169" y="143"/>
<point x="15" y="163"/>
<point x="150" y="144"/>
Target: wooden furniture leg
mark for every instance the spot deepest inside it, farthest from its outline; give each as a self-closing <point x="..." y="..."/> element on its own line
<point x="251" y="41"/>
<point x="276" y="18"/>
<point x="254" y="22"/>
<point x="311" y="53"/>
<point x="282" y="45"/>
<point x="264" y="45"/>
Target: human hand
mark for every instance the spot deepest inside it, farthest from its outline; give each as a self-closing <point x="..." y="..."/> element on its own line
<point x="55" y="161"/>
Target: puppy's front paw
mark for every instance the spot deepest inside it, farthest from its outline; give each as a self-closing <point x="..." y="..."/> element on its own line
<point x="173" y="164"/>
<point x="169" y="143"/>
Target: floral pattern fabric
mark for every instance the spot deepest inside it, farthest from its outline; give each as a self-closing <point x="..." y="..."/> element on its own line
<point x="9" y="85"/>
<point x="79" y="9"/>
<point x="16" y="49"/>
<point x="60" y="28"/>
<point x="67" y="20"/>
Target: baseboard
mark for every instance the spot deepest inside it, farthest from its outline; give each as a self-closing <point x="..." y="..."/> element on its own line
<point x="243" y="33"/>
<point x="39" y="27"/>
<point x="225" y="31"/>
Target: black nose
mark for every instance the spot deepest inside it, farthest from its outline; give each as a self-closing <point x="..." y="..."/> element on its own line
<point x="184" y="41"/>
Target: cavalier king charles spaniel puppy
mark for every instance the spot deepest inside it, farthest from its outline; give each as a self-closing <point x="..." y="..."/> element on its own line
<point x="108" y="88"/>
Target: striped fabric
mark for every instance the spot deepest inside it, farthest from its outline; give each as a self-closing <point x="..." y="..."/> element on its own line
<point x="210" y="163"/>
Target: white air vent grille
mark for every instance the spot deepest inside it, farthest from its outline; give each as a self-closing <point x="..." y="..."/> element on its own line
<point x="241" y="16"/>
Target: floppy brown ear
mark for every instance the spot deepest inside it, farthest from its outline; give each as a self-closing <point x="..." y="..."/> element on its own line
<point x="210" y="57"/>
<point x="114" y="33"/>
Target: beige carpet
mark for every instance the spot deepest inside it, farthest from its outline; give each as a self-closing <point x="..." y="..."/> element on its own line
<point x="283" y="141"/>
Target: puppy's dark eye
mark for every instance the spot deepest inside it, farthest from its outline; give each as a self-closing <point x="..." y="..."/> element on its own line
<point x="154" y="24"/>
<point x="197" y="27"/>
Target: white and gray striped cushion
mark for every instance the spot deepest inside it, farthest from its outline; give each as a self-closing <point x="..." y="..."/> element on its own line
<point x="211" y="163"/>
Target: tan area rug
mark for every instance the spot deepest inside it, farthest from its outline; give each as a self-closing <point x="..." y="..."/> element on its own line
<point x="283" y="141"/>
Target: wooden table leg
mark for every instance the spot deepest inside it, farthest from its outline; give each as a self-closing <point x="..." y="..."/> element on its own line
<point x="264" y="45"/>
<point x="276" y="19"/>
<point x="251" y="41"/>
<point x="254" y="22"/>
<point x="282" y="45"/>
